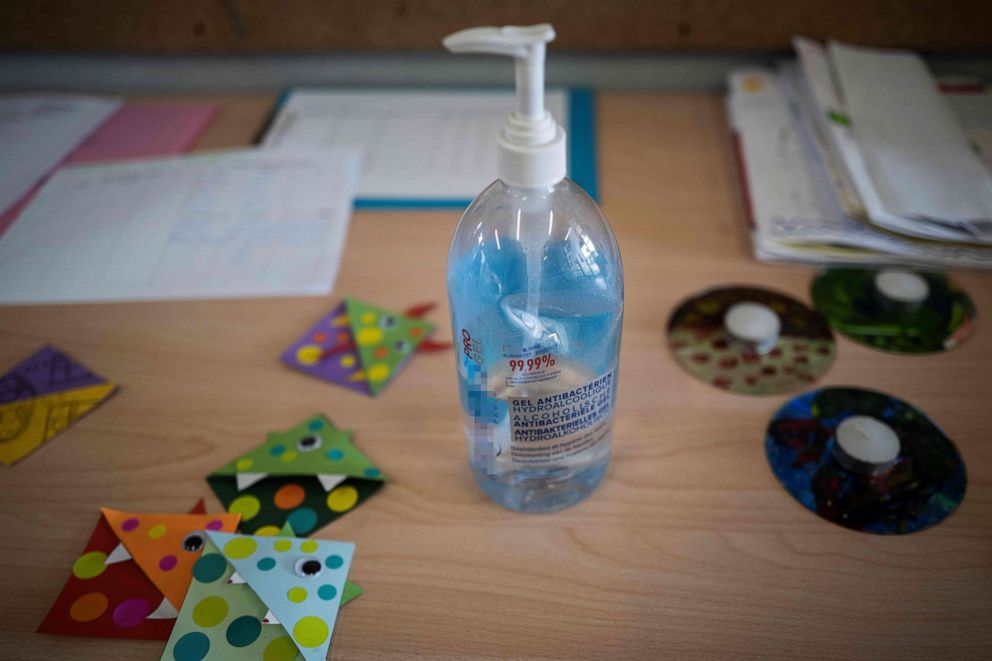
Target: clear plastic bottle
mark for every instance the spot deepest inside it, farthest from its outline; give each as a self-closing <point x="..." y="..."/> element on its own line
<point x="535" y="287"/>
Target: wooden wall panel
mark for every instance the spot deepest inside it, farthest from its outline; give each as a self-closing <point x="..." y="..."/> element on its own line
<point x="583" y="25"/>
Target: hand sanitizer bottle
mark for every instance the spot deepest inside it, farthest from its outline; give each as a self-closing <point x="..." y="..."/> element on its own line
<point x="535" y="286"/>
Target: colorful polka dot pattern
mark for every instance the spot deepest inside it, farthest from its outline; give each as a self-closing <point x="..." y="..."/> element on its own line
<point x="165" y="547"/>
<point x="284" y="454"/>
<point x="132" y="612"/>
<point x="243" y="631"/>
<point x="291" y="492"/>
<point x="89" y="607"/>
<point x="116" y="599"/>
<point x="90" y="565"/>
<point x="357" y="345"/>
<point x="193" y="646"/>
<point x="700" y="344"/>
<point x="385" y="340"/>
<point x="300" y="600"/>
<point x="792" y="364"/>
<point x="342" y="499"/>
<point x="289" y="496"/>
<point x="210" y="611"/>
<point x="247" y="506"/>
<point x="280" y="649"/>
<point x="340" y="365"/>
<point x="225" y="620"/>
<point x="220" y="619"/>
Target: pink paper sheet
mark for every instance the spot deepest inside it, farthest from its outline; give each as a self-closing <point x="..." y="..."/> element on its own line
<point x="135" y="130"/>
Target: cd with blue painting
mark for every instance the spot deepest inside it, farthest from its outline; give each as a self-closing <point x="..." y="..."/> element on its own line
<point x="919" y="486"/>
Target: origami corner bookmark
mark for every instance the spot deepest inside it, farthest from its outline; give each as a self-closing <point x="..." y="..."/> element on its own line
<point x="360" y="346"/>
<point x="41" y="397"/>
<point x="307" y="476"/>
<point x="262" y="597"/>
<point x="133" y="575"/>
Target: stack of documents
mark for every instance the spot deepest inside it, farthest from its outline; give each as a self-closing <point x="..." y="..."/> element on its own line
<point x="854" y="155"/>
<point x="132" y="131"/>
<point x="37" y="132"/>
<point x="266" y="221"/>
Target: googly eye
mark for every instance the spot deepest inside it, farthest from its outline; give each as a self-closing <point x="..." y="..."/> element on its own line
<point x="402" y="346"/>
<point x="309" y="443"/>
<point x="193" y="542"/>
<point x="387" y="321"/>
<point x="308" y="567"/>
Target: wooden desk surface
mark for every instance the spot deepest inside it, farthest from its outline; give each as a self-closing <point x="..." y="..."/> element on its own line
<point x="689" y="549"/>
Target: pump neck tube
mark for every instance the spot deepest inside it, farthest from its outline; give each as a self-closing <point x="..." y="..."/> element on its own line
<point x="530" y="83"/>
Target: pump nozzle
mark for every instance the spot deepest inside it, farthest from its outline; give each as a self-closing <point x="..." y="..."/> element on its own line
<point x="526" y="44"/>
<point x="532" y="145"/>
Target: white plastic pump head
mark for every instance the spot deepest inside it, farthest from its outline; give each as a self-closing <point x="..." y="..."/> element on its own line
<point x="531" y="144"/>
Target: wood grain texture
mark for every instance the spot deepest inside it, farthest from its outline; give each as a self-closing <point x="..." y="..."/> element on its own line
<point x="688" y="550"/>
<point x="588" y="25"/>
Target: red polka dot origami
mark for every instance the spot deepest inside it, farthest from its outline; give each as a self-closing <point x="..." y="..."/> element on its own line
<point x="132" y="577"/>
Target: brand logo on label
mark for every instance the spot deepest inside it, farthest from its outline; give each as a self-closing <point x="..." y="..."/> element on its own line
<point x="471" y="348"/>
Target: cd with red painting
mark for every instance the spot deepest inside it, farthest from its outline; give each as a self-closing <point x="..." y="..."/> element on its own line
<point x="750" y="341"/>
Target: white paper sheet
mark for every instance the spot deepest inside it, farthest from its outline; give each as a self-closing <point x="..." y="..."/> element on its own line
<point x="825" y="111"/>
<point x="917" y="155"/>
<point x="793" y="205"/>
<point x="37" y="132"/>
<point x="431" y="145"/>
<point x="227" y="224"/>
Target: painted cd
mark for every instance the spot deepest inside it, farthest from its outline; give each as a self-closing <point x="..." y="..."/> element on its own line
<point x="750" y="341"/>
<point x="895" y="309"/>
<point x="865" y="460"/>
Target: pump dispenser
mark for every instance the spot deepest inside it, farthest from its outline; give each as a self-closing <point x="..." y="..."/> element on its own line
<point x="531" y="144"/>
<point x="535" y="286"/>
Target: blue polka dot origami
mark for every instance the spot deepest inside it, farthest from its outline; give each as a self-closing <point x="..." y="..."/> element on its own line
<point x="263" y="597"/>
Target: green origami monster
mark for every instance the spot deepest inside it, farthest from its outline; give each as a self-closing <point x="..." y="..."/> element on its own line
<point x="306" y="476"/>
<point x="384" y="340"/>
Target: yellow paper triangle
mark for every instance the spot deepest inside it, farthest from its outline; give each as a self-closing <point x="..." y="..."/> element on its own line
<point x="26" y="424"/>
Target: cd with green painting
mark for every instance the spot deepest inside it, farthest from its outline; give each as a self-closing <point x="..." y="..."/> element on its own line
<point x="927" y="312"/>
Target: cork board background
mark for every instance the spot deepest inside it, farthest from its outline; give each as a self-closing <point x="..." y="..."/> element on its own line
<point x="313" y="26"/>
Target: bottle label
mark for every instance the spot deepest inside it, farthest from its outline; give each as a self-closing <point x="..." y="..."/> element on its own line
<point x="552" y="428"/>
<point x="530" y="365"/>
